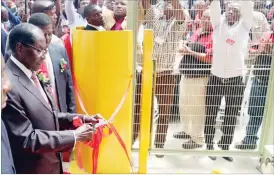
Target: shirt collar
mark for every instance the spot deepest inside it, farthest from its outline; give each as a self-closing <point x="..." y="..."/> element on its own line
<point x="27" y="72"/>
<point x="119" y="20"/>
<point x="99" y="28"/>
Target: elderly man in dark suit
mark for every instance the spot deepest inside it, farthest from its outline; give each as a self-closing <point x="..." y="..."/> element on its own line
<point x="7" y="165"/>
<point x="30" y="116"/>
<point x="56" y="66"/>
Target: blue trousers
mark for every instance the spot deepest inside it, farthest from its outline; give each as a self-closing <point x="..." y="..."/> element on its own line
<point x="256" y="111"/>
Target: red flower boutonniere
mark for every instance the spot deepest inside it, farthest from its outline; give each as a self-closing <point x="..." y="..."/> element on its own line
<point x="63" y="65"/>
<point x="42" y="77"/>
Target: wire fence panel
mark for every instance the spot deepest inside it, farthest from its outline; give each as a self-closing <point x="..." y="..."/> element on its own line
<point x="213" y="61"/>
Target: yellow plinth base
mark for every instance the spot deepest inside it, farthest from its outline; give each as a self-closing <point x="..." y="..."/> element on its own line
<point x="103" y="66"/>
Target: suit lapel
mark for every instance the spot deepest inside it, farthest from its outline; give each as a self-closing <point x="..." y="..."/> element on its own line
<point x="26" y="83"/>
<point x="88" y="27"/>
<point x="48" y="92"/>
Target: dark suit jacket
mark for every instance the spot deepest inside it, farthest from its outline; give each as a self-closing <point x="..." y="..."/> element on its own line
<point x="7" y="165"/>
<point x="63" y="80"/>
<point x="33" y="126"/>
<point x="88" y="27"/>
<point x="4" y="37"/>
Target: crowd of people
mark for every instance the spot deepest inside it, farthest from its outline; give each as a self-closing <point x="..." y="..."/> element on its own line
<point x="204" y="53"/>
<point x="202" y="50"/>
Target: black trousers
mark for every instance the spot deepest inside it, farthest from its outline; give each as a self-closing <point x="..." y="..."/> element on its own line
<point x="217" y="88"/>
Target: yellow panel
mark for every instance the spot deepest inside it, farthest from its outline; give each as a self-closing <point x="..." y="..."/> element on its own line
<point x="103" y="66"/>
<point x="146" y="98"/>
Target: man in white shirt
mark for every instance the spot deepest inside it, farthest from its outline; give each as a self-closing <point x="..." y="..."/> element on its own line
<point x="230" y="44"/>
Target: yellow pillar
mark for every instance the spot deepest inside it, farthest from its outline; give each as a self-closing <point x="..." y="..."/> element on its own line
<point x="146" y="99"/>
<point x="103" y="67"/>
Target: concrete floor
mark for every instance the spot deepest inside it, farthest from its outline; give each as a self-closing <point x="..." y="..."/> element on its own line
<point x="197" y="164"/>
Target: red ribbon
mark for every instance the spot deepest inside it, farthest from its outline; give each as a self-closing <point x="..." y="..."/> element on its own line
<point x="99" y="134"/>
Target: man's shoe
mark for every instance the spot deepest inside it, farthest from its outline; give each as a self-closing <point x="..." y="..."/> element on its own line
<point x="225" y="147"/>
<point x="211" y="147"/>
<point x="230" y="159"/>
<point x="212" y="157"/>
<point x="159" y="146"/>
<point x="181" y="135"/>
<point x="241" y="145"/>
<point x="191" y="145"/>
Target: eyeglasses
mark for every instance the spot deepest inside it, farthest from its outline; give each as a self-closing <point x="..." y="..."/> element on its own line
<point x="41" y="52"/>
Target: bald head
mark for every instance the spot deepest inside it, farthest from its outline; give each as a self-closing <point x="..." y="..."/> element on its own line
<point x="205" y="21"/>
<point x="28" y="45"/>
<point x="42" y="6"/>
<point x="47" y="7"/>
<point x="25" y="33"/>
<point x="235" y="5"/>
<point x="233" y="13"/>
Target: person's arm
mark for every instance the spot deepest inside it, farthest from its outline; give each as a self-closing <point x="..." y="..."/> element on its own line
<point x="247" y="13"/>
<point x="215" y="13"/>
<point x="265" y="25"/>
<point x="70" y="11"/>
<point x="204" y="57"/>
<point x="12" y="18"/>
<point x="58" y="7"/>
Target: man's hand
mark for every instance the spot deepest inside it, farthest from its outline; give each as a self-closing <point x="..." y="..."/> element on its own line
<point x="90" y="119"/>
<point x="265" y="47"/>
<point x="184" y="50"/>
<point x="85" y="132"/>
<point x="24" y="18"/>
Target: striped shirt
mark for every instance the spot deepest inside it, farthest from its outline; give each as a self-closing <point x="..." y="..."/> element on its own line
<point x="167" y="35"/>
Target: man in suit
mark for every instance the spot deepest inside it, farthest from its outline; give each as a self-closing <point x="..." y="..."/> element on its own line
<point x="7" y="165"/>
<point x="94" y="17"/>
<point x="61" y="80"/>
<point x="30" y="116"/>
<point x="48" y="7"/>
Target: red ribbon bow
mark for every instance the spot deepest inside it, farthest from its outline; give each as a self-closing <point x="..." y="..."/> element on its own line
<point x="98" y="135"/>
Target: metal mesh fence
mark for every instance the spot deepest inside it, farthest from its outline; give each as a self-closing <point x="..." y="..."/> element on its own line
<point x="212" y="70"/>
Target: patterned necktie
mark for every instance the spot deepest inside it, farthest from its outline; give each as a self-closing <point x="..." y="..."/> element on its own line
<point x="38" y="86"/>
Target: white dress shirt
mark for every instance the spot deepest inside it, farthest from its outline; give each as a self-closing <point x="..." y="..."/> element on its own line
<point x="99" y="28"/>
<point x="51" y="75"/>
<point x="230" y="43"/>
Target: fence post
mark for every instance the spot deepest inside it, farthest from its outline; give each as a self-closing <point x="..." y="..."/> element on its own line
<point x="146" y="101"/>
<point x="268" y="126"/>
